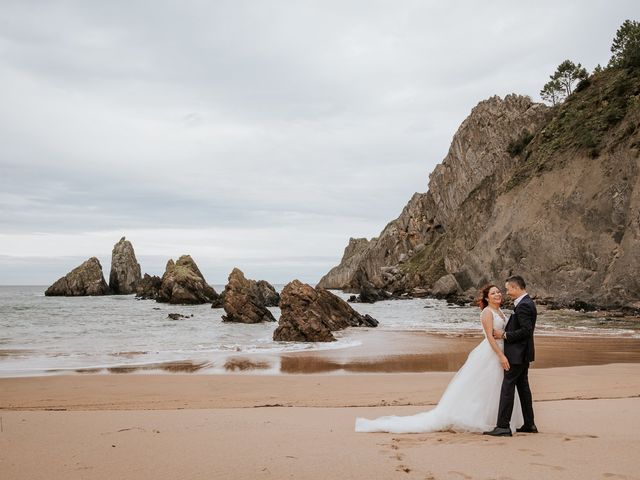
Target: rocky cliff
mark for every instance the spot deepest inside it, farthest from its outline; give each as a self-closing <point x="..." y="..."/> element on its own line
<point x="552" y="194"/>
<point x="342" y="274"/>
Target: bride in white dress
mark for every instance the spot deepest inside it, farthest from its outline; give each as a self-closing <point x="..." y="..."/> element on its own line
<point x="470" y="401"/>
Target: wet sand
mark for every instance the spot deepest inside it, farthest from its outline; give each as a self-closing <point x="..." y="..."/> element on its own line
<point x="389" y="352"/>
<point x="427" y="352"/>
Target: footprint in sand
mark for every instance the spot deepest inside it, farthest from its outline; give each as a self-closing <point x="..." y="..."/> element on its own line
<point x="461" y="474"/>
<point x="554" y="467"/>
<point x="531" y="452"/>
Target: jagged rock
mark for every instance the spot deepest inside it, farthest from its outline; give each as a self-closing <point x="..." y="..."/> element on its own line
<point x="148" y="287"/>
<point x="270" y="297"/>
<point x="368" y="292"/>
<point x="244" y="300"/>
<point x="125" y="269"/>
<point x="182" y="283"/>
<point x="340" y="276"/>
<point x="419" y="292"/>
<point x="84" y="280"/>
<point x="219" y="301"/>
<point x="177" y="316"/>
<point x="311" y="314"/>
<point x="445" y="286"/>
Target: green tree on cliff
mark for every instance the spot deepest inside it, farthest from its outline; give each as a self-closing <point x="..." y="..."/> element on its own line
<point x="552" y="92"/>
<point x="626" y="45"/>
<point x="567" y="74"/>
<point x="562" y="82"/>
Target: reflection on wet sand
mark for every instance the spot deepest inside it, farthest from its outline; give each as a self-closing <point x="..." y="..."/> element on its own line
<point x="243" y="364"/>
<point x="14" y="352"/>
<point x="372" y="357"/>
<point x="428" y="362"/>
<point x="397" y="352"/>
<point x="183" y="366"/>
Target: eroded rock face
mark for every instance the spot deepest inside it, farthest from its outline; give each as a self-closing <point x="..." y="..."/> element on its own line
<point x="84" y="280"/>
<point x="218" y="302"/>
<point x="342" y="274"/>
<point x="148" y="287"/>
<point x="311" y="314"/>
<point x="182" y="283"/>
<point x="566" y="220"/>
<point x="244" y="300"/>
<point x="270" y="297"/>
<point x="478" y="154"/>
<point x="125" y="269"/>
<point x="368" y="292"/>
<point x="446" y="286"/>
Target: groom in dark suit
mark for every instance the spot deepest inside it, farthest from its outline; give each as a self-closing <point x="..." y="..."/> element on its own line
<point x="519" y="350"/>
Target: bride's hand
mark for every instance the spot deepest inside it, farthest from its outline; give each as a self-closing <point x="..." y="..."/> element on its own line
<point x="505" y="363"/>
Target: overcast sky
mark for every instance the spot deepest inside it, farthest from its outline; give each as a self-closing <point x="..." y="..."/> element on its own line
<point x="257" y="134"/>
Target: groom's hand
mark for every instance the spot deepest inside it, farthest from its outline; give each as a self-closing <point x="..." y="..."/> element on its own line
<point x="497" y="334"/>
<point x="505" y="363"/>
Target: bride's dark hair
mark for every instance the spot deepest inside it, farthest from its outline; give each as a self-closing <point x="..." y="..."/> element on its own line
<point x="482" y="300"/>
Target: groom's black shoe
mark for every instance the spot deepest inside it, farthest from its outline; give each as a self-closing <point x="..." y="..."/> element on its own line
<point x="527" y="429"/>
<point x="499" y="432"/>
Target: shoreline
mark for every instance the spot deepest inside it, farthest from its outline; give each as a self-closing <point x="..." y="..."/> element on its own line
<point x="377" y="351"/>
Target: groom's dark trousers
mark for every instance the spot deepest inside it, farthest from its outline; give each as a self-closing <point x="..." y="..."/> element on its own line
<point x="519" y="350"/>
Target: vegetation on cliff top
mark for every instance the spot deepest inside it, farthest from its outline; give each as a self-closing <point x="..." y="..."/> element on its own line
<point x="601" y="113"/>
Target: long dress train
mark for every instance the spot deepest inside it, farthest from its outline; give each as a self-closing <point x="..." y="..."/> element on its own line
<point x="469" y="403"/>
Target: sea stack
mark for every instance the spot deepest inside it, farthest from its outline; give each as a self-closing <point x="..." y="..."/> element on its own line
<point x="182" y="283"/>
<point x="84" y="280"/>
<point x="311" y="314"/>
<point x="125" y="269"/>
<point x="244" y="300"/>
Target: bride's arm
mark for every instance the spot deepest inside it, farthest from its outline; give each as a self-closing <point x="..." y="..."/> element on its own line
<point x="487" y="325"/>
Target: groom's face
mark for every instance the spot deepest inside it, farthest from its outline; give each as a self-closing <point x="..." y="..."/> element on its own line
<point x="512" y="290"/>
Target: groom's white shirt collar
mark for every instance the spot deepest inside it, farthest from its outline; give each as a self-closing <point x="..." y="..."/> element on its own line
<point x="517" y="300"/>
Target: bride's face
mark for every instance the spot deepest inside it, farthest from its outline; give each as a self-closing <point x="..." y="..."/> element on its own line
<point x="495" y="296"/>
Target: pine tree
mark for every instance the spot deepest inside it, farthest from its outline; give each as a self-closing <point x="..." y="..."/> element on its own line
<point x="626" y="45"/>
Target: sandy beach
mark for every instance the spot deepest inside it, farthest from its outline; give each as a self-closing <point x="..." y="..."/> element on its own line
<point x="248" y="425"/>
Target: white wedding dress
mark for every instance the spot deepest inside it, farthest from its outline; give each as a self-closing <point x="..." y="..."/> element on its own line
<point x="469" y="403"/>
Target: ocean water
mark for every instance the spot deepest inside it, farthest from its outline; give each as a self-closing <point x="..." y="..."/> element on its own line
<point x="41" y="334"/>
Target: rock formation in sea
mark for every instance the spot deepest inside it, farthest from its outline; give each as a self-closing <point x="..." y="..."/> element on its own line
<point x="182" y="283"/>
<point x="244" y="300"/>
<point x="270" y="297"/>
<point x="148" y="287"/>
<point x="552" y="194"/>
<point x="125" y="269"/>
<point x="219" y="301"/>
<point x="86" y="279"/>
<point x="310" y="314"/>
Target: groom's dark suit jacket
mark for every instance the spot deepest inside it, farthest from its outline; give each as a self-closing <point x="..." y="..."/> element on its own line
<point x="518" y="346"/>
